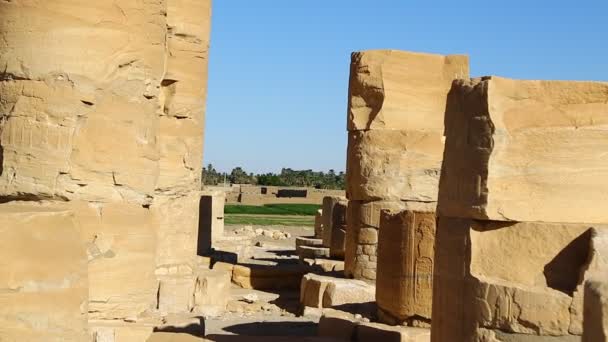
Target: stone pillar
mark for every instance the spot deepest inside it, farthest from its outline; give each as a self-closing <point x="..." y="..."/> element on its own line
<point x="523" y="182"/>
<point x="79" y="123"/>
<point x="43" y="282"/>
<point x="329" y="202"/>
<point x="319" y="224"/>
<point x="338" y="230"/>
<point x="397" y="104"/>
<point x="404" y="283"/>
<point x="595" y="325"/>
<point x="211" y="222"/>
<point x="105" y="117"/>
<point x="183" y="91"/>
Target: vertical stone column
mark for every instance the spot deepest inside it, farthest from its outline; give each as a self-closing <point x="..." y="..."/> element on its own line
<point x="406" y="249"/>
<point x="183" y="91"/>
<point x="397" y="103"/>
<point x="338" y="229"/>
<point x="522" y="185"/>
<point x="329" y="203"/>
<point x="595" y="325"/>
<point x="80" y="84"/>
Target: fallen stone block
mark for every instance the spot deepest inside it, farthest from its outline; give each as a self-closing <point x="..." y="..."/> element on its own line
<point x="327" y="265"/>
<point x="326" y="292"/>
<point x="310" y="252"/>
<point x="337" y="325"/>
<point x="262" y="277"/>
<point x="348" y="292"/>
<point x="308" y="241"/>
<point x="374" y="332"/>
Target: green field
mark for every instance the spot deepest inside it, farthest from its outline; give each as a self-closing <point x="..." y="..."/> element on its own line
<point x="276" y="220"/>
<point x="271" y="214"/>
<point x="273" y="209"/>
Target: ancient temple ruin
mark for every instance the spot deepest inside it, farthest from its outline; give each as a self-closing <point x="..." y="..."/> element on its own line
<point x="475" y="208"/>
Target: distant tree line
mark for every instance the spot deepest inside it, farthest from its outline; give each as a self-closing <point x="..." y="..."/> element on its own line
<point x="287" y="177"/>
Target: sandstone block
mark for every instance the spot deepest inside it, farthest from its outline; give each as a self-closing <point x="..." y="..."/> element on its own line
<point x="69" y="111"/>
<point x="121" y="241"/>
<point x="348" y="292"/>
<point x="212" y="292"/>
<point x="404" y="280"/>
<point x="372" y="332"/>
<point x="211" y="221"/>
<point x="394" y="165"/>
<point x="43" y="282"/>
<point x="533" y="294"/>
<point x="310" y="242"/>
<point x="522" y="150"/>
<point x="400" y="90"/>
<point x="178" y="218"/>
<point x="363" y="222"/>
<point x="337" y="325"/>
<point x="175" y="294"/>
<point x="329" y="202"/>
<point x="314" y="291"/>
<point x="338" y="230"/>
<point x="269" y="277"/>
<point x="596" y="311"/>
<point x="308" y="252"/>
<point x="319" y="224"/>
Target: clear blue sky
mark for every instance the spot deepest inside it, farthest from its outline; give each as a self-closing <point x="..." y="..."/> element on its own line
<point x="278" y="74"/>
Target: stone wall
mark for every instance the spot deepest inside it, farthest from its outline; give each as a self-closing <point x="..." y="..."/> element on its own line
<point x="102" y="115"/>
<point x="397" y="102"/>
<point x="520" y="209"/>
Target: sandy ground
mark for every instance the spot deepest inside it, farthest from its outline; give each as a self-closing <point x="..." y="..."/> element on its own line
<point x="270" y="313"/>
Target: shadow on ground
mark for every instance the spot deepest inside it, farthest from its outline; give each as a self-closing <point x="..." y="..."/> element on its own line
<point x="269" y="329"/>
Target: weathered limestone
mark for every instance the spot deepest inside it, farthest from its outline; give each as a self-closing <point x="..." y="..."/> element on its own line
<point x="338" y="230"/>
<point x="511" y="148"/>
<point x="520" y="150"/>
<point x="529" y="272"/>
<point x="319" y="224"/>
<point x="342" y="326"/>
<point x="325" y="292"/>
<point x="181" y="118"/>
<point x="404" y="283"/>
<point x="43" y="282"/>
<point x="211" y="220"/>
<point x="363" y="222"/>
<point x="397" y="103"/>
<point x="329" y="203"/>
<point x="114" y="135"/>
<point x="212" y="292"/>
<point x="596" y="310"/>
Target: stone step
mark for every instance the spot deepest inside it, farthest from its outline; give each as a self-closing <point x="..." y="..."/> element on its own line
<point x="308" y="252"/>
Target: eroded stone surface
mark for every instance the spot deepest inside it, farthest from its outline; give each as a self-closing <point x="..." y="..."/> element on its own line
<point x="404" y="281"/>
<point x="525" y="151"/>
<point x="43" y="282"/>
<point x="531" y="294"/>
<point x="401" y="90"/>
<point x="595" y="326"/>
